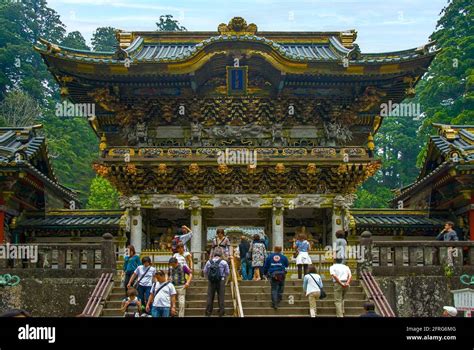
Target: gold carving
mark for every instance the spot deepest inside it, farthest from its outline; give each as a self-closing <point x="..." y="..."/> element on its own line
<point x="237" y="26"/>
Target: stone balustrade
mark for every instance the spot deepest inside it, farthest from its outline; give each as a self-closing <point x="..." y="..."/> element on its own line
<point x="71" y="256"/>
<point x="420" y="257"/>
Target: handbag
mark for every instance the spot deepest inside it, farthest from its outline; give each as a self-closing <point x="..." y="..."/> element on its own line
<point x="137" y="282"/>
<point x="322" y="294"/>
<point x="295" y="254"/>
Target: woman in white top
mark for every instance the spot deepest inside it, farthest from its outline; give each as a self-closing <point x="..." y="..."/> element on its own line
<point x="303" y="259"/>
<point x="312" y="285"/>
<point x="184" y="257"/>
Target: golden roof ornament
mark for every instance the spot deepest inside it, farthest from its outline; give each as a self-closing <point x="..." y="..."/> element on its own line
<point x="103" y="143"/>
<point x="237" y="26"/>
<point x="193" y="168"/>
<point x="370" y="142"/>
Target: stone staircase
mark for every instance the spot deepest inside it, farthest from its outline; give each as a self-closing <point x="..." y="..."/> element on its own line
<point x="196" y="298"/>
<point x="256" y="301"/>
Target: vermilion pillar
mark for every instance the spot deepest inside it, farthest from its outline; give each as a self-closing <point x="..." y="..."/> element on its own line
<point x="2" y="220"/>
<point x="471" y="219"/>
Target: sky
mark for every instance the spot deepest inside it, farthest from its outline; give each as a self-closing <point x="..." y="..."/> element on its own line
<point x="382" y="25"/>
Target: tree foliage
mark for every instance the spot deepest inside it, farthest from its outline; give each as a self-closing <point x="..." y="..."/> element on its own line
<point x="75" y="40"/>
<point x="102" y="195"/>
<point x="103" y="39"/>
<point x="168" y="24"/>
<point x="446" y="96"/>
<point x="19" y="109"/>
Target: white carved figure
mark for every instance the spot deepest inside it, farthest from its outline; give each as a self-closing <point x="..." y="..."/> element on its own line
<point x="338" y="132"/>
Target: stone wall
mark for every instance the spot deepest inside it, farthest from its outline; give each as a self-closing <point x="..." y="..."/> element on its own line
<point x="419" y="296"/>
<point x="49" y="293"/>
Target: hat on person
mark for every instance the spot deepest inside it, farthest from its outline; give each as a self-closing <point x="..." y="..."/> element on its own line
<point x="452" y="311"/>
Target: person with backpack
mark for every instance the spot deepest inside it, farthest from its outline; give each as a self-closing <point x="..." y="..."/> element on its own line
<point x="145" y="274"/>
<point x="275" y="268"/>
<point x="177" y="275"/>
<point x="221" y="242"/>
<point x="162" y="299"/>
<point x="130" y="264"/>
<point x="313" y="287"/>
<point x="131" y="306"/>
<point x="183" y="236"/>
<point x="216" y="270"/>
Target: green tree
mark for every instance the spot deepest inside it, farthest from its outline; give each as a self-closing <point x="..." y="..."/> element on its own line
<point x="21" y="25"/>
<point x="75" y="40"/>
<point x="104" y="39"/>
<point x="102" y="195"/>
<point x="18" y="109"/>
<point x="168" y="24"/>
<point x="446" y="92"/>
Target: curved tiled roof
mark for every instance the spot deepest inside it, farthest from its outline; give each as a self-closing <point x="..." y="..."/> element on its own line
<point x="74" y="219"/>
<point x="450" y="138"/>
<point x="395" y="220"/>
<point x="26" y="142"/>
<point x="141" y="51"/>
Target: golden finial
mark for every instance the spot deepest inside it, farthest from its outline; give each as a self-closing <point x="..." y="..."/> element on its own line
<point x="103" y="142"/>
<point x="370" y="142"/>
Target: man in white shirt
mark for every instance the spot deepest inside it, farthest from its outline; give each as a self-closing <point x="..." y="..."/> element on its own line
<point x="341" y="276"/>
<point x="144" y="273"/>
<point x="162" y="297"/>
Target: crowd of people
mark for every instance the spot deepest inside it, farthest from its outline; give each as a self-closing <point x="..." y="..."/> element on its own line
<point x="162" y="293"/>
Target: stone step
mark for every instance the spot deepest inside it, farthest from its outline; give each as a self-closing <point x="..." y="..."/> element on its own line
<point x="229" y="311"/>
<point x="188" y="312"/>
<point x="299" y="303"/>
<point x="283" y="311"/>
<point x="189" y="304"/>
<point x="289" y="282"/>
<point x="289" y="290"/>
<point x="298" y="296"/>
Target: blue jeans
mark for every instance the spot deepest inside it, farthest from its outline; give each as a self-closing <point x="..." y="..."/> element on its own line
<point x="246" y="269"/>
<point x="160" y="311"/>
<point x="277" y="291"/>
<point x="143" y="293"/>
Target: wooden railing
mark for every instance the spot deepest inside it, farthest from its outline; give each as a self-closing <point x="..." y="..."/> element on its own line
<point x="62" y="256"/>
<point x="376" y="294"/>
<point x="234" y="283"/>
<point x="95" y="303"/>
<point x="425" y="257"/>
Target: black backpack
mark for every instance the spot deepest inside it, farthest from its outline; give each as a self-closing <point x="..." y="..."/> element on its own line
<point x="214" y="274"/>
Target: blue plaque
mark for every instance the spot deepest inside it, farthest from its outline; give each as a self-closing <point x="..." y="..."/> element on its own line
<point x="237" y="79"/>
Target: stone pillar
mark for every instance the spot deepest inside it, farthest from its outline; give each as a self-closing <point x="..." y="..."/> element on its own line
<point x="132" y="205"/>
<point x="340" y="213"/>
<point x="277" y="222"/>
<point x="136" y="229"/>
<point x="196" y="228"/>
<point x="108" y="252"/>
<point x="336" y="223"/>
